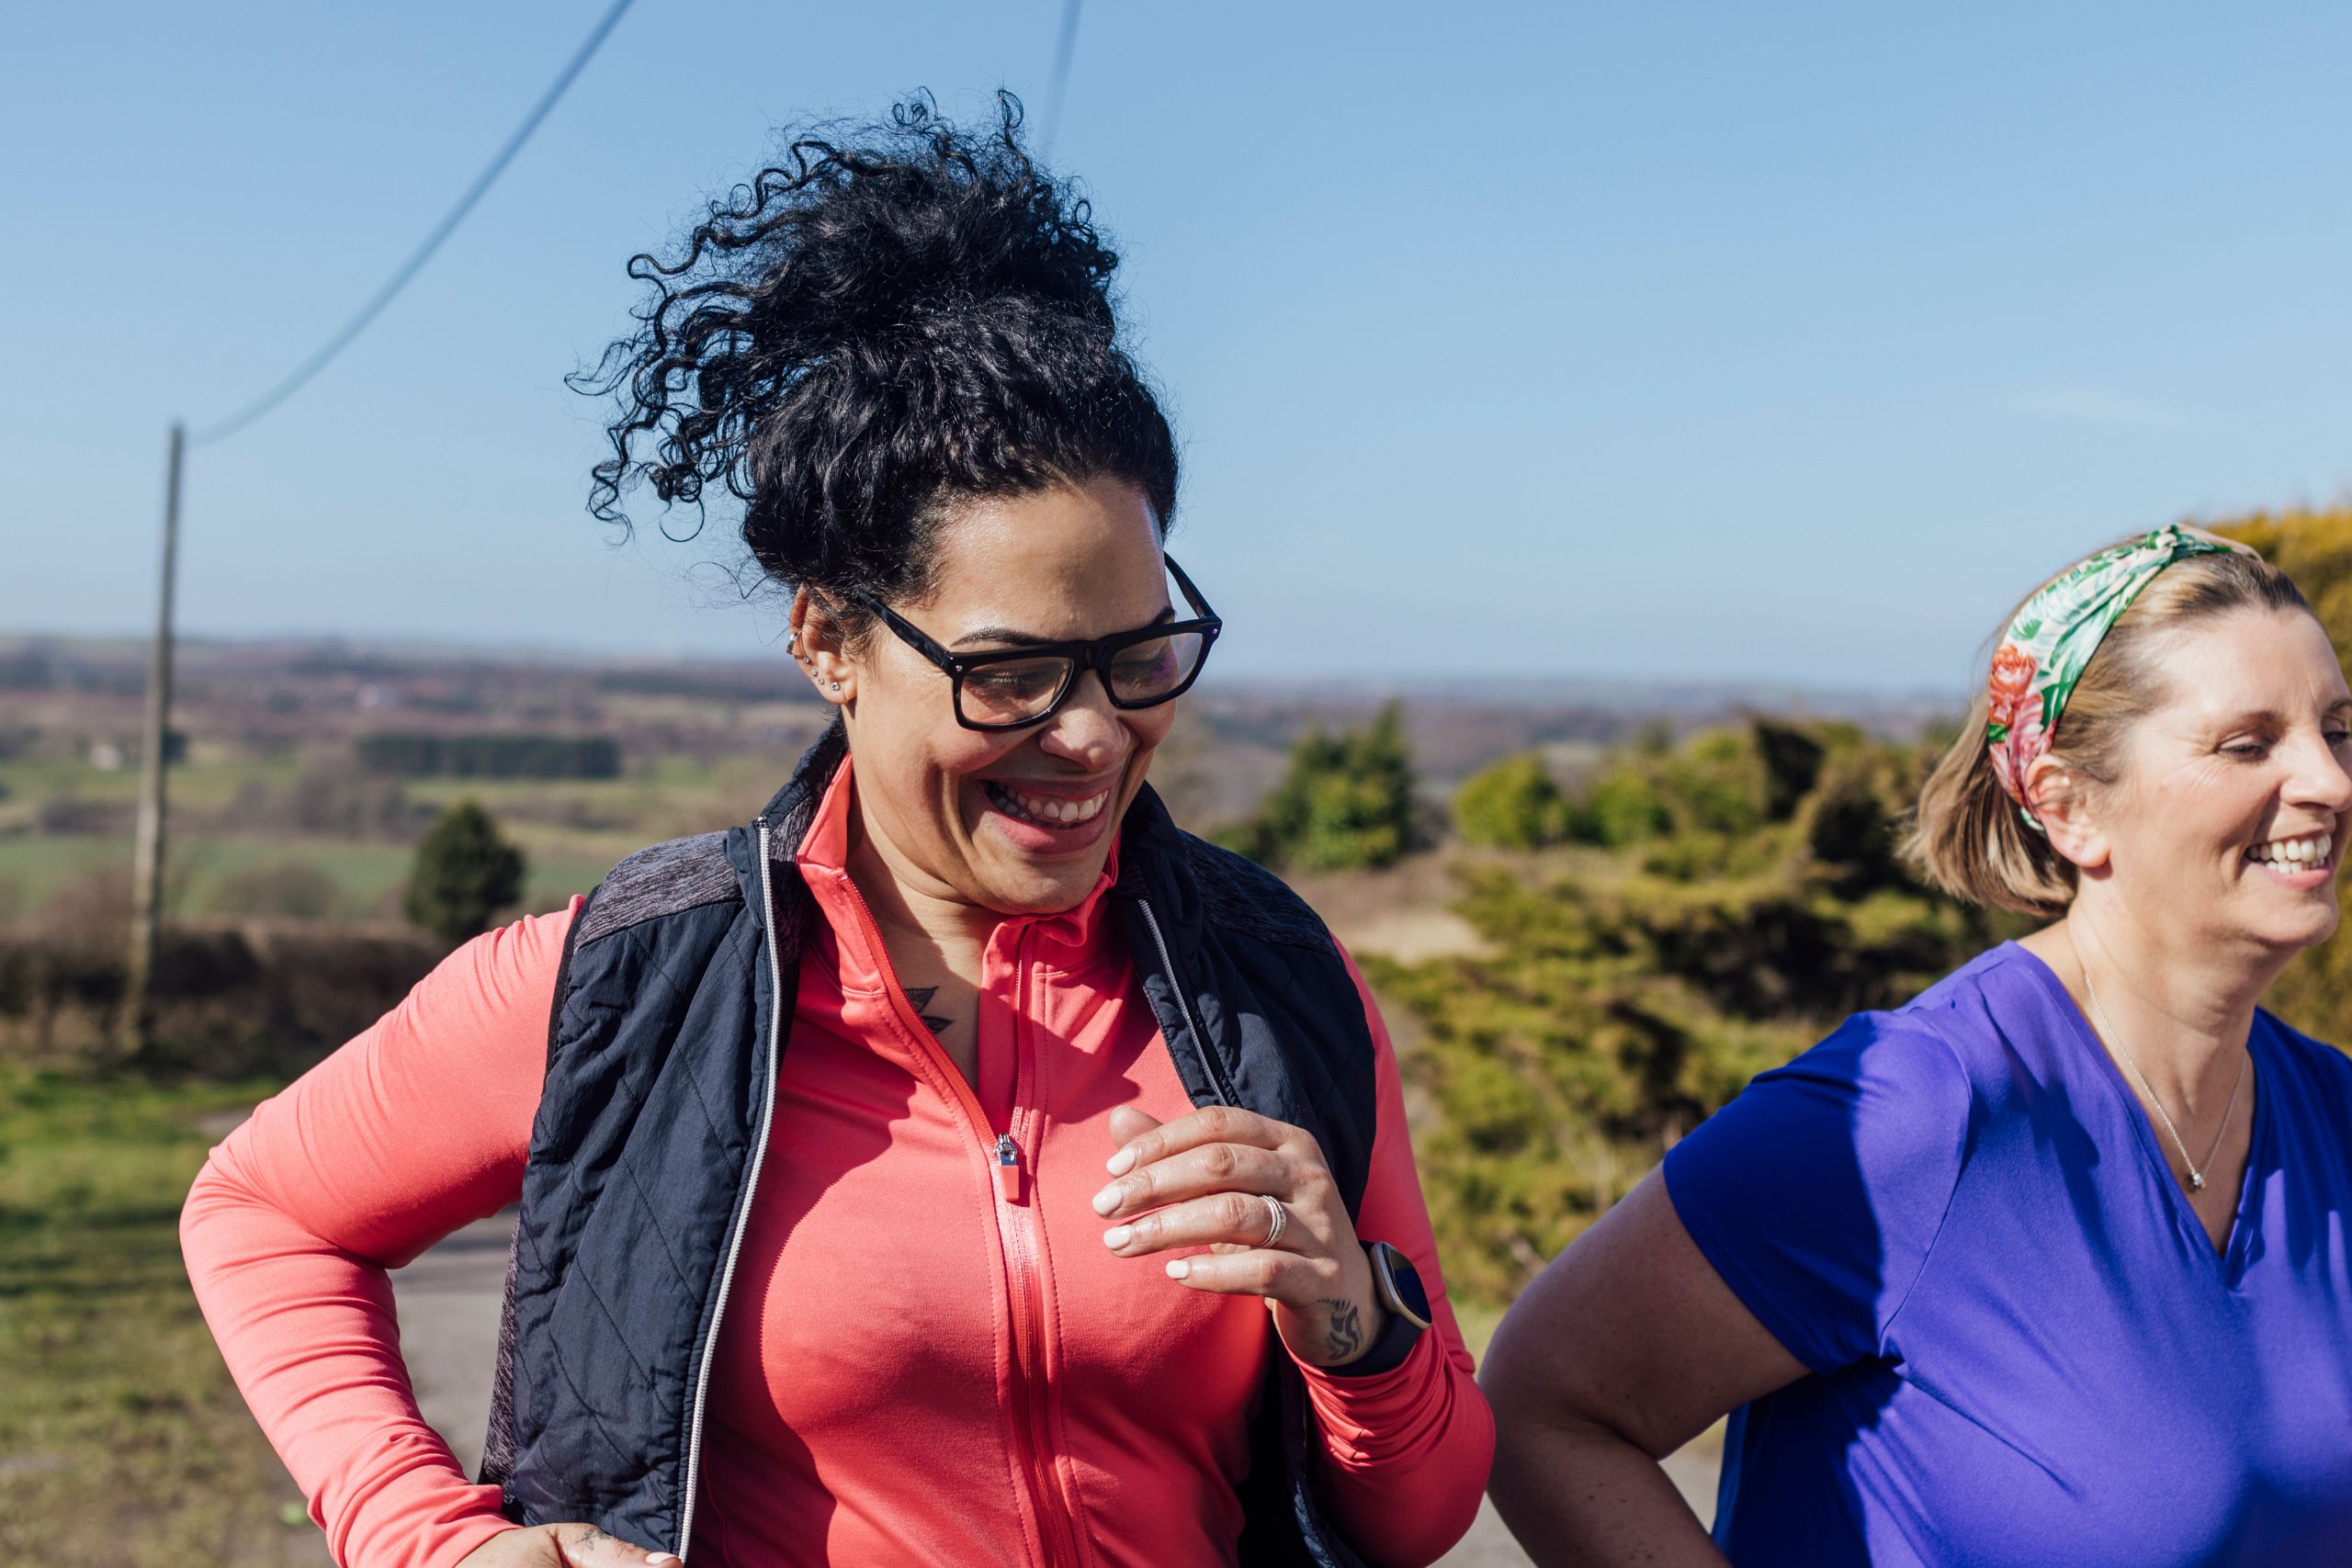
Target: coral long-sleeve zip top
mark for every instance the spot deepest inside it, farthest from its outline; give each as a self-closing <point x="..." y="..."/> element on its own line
<point x="919" y="1362"/>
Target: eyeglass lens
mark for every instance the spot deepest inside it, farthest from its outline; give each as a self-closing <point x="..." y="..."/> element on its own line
<point x="1141" y="674"/>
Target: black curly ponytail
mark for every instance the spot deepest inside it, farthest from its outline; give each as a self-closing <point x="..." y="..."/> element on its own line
<point x="882" y="326"/>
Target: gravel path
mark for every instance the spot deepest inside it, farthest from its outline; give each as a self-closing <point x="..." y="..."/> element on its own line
<point x="449" y="1306"/>
<point x="448" y="1309"/>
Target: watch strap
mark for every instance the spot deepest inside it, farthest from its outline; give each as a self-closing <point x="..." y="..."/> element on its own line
<point x="1399" y="1332"/>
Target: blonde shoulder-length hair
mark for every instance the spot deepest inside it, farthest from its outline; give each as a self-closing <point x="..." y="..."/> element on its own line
<point x="1966" y="835"/>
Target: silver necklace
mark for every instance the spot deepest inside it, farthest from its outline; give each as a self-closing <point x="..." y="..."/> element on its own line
<point x="2195" y="1176"/>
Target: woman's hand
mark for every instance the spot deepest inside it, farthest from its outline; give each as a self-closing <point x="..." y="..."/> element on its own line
<point x="1203" y="1180"/>
<point x="562" y="1546"/>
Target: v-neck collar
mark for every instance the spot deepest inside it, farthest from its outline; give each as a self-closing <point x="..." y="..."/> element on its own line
<point x="2230" y="1258"/>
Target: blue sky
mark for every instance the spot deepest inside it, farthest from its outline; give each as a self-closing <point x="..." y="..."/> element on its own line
<point x="1790" y="342"/>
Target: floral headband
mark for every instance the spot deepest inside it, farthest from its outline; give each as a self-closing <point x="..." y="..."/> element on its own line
<point x="2050" y="643"/>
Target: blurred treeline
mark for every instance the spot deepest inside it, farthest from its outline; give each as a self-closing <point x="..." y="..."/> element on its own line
<point x="1654" y="922"/>
<point x="267" y="994"/>
<point x="1683" y="918"/>
<point x="1712" y="907"/>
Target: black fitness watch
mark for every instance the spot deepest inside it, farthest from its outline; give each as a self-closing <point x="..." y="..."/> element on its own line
<point x="1394" y="1277"/>
<point x="1406" y="1309"/>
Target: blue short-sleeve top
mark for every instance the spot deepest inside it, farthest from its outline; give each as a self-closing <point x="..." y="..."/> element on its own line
<point x="2023" y="1346"/>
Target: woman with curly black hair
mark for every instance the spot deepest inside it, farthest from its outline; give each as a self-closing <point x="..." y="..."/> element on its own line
<point x="959" y="1162"/>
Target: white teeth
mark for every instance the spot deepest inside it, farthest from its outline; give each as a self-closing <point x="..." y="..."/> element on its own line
<point x="1066" y="813"/>
<point x="2288" y="855"/>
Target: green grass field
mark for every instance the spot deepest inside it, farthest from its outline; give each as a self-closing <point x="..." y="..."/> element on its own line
<point x="196" y="785"/>
<point x="571" y="831"/>
<point x="33" y="869"/>
<point x="122" y="1442"/>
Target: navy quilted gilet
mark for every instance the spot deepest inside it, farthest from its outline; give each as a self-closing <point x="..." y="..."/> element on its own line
<point x="661" y="1056"/>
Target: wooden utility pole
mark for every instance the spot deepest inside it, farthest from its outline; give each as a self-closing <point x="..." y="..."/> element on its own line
<point x="135" y="1028"/>
<point x="147" y="853"/>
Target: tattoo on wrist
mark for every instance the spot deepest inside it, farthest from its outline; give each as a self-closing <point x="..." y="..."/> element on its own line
<point x="920" y="996"/>
<point x="1345" y="1333"/>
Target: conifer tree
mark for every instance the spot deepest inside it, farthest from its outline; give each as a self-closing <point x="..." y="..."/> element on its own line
<point x="464" y="872"/>
<point x="1347" y="802"/>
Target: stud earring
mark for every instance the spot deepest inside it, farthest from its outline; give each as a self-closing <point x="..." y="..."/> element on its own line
<point x="837" y="685"/>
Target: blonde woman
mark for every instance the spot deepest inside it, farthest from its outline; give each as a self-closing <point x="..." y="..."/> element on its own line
<point x="2050" y="1265"/>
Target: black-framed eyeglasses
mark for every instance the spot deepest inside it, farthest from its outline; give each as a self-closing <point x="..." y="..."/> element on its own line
<point x="1015" y="687"/>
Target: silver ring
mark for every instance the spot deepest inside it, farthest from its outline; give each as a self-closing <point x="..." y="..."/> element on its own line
<point x="1277" y="1218"/>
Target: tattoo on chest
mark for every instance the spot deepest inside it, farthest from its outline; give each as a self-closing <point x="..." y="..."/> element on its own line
<point x="921" y="997"/>
<point x="1346" y="1330"/>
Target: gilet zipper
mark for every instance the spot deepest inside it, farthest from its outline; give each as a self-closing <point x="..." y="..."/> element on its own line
<point x="1215" y="1071"/>
<point x="778" y="1002"/>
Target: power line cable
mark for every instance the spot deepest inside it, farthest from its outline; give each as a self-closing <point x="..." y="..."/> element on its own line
<point x="148" y="876"/>
<point x="424" y="252"/>
<point x="1067" y="47"/>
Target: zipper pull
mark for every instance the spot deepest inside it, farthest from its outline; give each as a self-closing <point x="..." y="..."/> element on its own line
<point x="1008" y="1169"/>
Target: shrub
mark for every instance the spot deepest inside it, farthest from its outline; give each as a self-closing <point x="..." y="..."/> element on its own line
<point x="1513" y="805"/>
<point x="1347" y="802"/>
<point x="337" y="801"/>
<point x="227" y="1003"/>
<point x="67" y="812"/>
<point x="1756" y="899"/>
<point x="1623" y="809"/>
<point x="1715" y="784"/>
<point x="464" y="873"/>
<point x="290" y="889"/>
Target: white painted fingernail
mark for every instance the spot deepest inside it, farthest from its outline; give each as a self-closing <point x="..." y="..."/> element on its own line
<point x="1122" y="1162"/>
<point x="1178" y="1267"/>
<point x="1118" y="1237"/>
<point x="1107" y="1200"/>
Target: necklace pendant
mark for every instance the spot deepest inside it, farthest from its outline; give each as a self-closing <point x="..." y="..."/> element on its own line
<point x="2196" y="1182"/>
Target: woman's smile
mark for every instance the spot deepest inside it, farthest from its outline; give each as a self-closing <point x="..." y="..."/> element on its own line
<point x="2304" y="861"/>
<point x="1064" y="816"/>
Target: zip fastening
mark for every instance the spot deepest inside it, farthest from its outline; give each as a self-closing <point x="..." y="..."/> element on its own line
<point x="1016" y="1211"/>
<point x="1016" y="1232"/>
<point x="776" y="1003"/>
<point x="1184" y="1005"/>
<point x="1024" y="1253"/>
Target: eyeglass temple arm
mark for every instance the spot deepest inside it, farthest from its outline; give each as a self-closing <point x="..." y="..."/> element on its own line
<point x="1190" y="592"/>
<point x="910" y="632"/>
